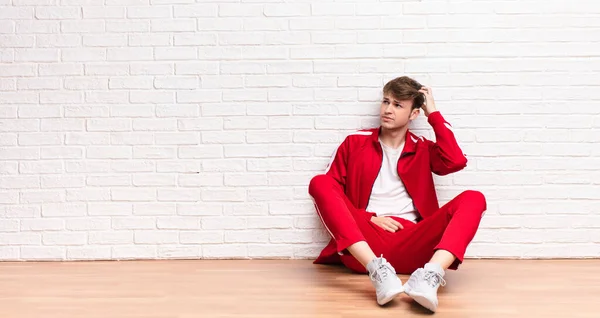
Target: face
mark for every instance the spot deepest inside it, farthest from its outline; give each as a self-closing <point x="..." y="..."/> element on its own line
<point x="396" y="114"/>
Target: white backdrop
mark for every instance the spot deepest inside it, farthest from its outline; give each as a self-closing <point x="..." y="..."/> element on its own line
<point x="189" y="129"/>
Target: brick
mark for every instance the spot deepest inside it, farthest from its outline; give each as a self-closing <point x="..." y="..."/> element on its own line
<point x="9" y="253"/>
<point x="45" y="253"/>
<point x="197" y="180"/>
<point x="181" y="195"/>
<point x="179" y="252"/>
<point x="103" y="13"/>
<point x="176" y="82"/>
<point x="262" y="24"/>
<point x="130" y="54"/>
<point x="63" y="209"/>
<point x="247" y="236"/>
<point x="83" y="55"/>
<point x="103" y="69"/>
<point x="152" y="97"/>
<point x="208" y="209"/>
<point x="244" y="151"/>
<point x="177" y="25"/>
<point x="195" y="11"/>
<point x="82" y="83"/>
<point x="69" y="26"/>
<point x="156" y="237"/>
<point x="220" y="24"/>
<point x="148" y="12"/>
<point x="9" y="225"/>
<point x="201" y="96"/>
<point x="87" y="224"/>
<point x="62" y="153"/>
<point x="154" y="180"/>
<point x="240" y="10"/>
<point x="20" y="153"/>
<point x="107" y="125"/>
<point x="41" y="167"/>
<point x="87" y="139"/>
<point x="291" y="208"/>
<point x="88" y="253"/>
<point x="136" y="195"/>
<point x="134" y="252"/>
<point x="286" y="236"/>
<point x="219" y="53"/>
<point x="58" y="13"/>
<point x="154" y="209"/>
<point x="214" y="123"/>
<point x="178" y="223"/>
<point x="223" y="194"/>
<point x="109" y="209"/>
<point x="120" y="26"/>
<point x="108" y="180"/>
<point x="20" y="211"/>
<point x="245" y="179"/>
<point x="151" y="68"/>
<point x="154" y="124"/>
<point x="19" y="182"/>
<point x="288" y="10"/>
<point x="246" y="209"/>
<point x="154" y="152"/>
<point x="62" y="238"/>
<point x="133" y="223"/>
<point x="202" y="237"/>
<point x="153" y="40"/>
<point x="109" y="152"/>
<point x="110" y="237"/>
<point x="231" y="137"/>
<point x="64" y="181"/>
<point x="225" y="251"/>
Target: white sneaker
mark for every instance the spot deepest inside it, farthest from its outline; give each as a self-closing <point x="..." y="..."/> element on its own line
<point x="423" y="285"/>
<point x="383" y="276"/>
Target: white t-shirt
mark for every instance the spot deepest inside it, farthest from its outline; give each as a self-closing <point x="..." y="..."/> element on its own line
<point x="389" y="196"/>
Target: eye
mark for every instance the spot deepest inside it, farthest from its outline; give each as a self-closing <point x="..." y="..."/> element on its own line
<point x="397" y="105"/>
<point x="386" y="102"/>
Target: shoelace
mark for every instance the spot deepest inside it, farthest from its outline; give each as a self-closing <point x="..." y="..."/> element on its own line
<point x="384" y="265"/>
<point x="433" y="278"/>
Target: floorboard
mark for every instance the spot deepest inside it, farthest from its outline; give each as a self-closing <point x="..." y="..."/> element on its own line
<point x="285" y="288"/>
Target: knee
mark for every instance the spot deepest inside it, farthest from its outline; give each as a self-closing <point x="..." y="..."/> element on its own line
<point x="318" y="183"/>
<point x="475" y="199"/>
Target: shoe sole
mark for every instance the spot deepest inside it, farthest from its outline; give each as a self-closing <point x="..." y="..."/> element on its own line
<point x="422" y="300"/>
<point x="390" y="297"/>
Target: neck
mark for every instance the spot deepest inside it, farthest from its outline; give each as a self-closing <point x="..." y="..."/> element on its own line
<point x="393" y="138"/>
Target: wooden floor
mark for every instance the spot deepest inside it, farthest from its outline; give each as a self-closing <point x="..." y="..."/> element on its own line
<point x="165" y="289"/>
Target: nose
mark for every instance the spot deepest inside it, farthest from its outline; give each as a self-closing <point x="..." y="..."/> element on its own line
<point x="388" y="109"/>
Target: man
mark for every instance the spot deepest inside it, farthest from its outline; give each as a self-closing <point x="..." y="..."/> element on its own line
<point x="377" y="197"/>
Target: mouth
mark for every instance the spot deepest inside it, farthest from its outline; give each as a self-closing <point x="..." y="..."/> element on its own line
<point x="386" y="118"/>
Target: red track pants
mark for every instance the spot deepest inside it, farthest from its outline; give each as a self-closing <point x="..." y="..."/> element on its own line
<point x="451" y="228"/>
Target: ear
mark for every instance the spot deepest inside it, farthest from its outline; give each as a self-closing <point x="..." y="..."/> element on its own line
<point x="414" y="113"/>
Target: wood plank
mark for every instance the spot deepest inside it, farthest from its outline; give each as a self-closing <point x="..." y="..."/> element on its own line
<point x="288" y="288"/>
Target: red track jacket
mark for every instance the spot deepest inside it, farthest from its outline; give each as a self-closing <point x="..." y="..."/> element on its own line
<point x="357" y="161"/>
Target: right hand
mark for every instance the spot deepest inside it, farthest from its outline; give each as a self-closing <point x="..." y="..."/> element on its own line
<point x="387" y="223"/>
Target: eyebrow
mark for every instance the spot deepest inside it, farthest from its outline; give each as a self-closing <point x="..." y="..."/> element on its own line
<point x="393" y="100"/>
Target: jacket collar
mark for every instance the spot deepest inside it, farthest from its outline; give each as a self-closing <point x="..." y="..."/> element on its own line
<point x="410" y="140"/>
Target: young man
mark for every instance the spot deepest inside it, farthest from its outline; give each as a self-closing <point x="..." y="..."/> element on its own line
<point x="377" y="197"/>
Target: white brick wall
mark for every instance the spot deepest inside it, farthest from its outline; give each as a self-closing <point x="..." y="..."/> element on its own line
<point x="188" y="129"/>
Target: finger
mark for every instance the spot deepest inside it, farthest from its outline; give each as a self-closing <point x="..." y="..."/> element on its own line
<point x="392" y="226"/>
<point x="385" y="226"/>
<point x="397" y="224"/>
<point x="389" y="229"/>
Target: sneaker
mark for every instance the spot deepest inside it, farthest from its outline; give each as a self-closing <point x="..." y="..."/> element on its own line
<point x="383" y="276"/>
<point x="423" y="284"/>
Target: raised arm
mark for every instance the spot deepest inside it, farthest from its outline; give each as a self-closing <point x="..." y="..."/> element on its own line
<point x="445" y="155"/>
